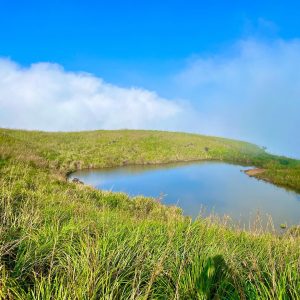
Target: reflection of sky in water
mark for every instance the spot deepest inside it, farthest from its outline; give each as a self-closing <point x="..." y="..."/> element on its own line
<point x="217" y="187"/>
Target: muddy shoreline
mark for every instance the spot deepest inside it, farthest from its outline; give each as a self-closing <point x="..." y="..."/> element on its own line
<point x="254" y="172"/>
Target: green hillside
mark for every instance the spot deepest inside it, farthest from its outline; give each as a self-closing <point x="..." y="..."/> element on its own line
<point x="61" y="240"/>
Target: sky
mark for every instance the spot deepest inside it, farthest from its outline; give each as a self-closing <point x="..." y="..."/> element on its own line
<point x="225" y="68"/>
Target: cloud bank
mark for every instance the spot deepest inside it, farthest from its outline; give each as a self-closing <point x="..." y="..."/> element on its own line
<point x="44" y="96"/>
<point x="250" y="92"/>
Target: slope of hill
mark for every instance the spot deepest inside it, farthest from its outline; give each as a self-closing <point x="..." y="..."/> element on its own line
<point x="61" y="240"/>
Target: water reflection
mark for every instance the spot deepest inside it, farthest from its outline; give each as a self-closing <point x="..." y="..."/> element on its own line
<point x="218" y="187"/>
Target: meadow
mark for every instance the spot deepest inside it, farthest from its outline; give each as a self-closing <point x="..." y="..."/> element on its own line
<point x="61" y="240"/>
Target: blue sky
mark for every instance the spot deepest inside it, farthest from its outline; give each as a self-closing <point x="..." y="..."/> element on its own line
<point x="199" y="66"/>
<point x="150" y="37"/>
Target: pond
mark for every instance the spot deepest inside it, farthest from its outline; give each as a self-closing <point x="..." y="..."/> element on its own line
<point x="206" y="187"/>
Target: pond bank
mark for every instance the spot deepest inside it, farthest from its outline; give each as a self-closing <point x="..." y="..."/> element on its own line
<point x="254" y="172"/>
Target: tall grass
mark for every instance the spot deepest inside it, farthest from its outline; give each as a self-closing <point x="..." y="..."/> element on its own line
<point x="60" y="240"/>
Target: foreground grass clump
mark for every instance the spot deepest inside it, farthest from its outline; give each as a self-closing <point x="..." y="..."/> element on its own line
<point x="60" y="240"/>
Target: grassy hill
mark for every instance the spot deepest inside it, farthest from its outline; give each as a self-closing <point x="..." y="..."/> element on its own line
<point x="60" y="240"/>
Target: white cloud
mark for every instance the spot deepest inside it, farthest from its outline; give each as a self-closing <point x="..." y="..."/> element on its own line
<point x="45" y="96"/>
<point x="252" y="92"/>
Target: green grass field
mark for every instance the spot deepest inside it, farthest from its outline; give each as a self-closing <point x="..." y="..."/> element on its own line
<point x="60" y="240"/>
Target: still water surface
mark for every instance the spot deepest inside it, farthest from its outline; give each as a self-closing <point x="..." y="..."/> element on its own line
<point x="218" y="187"/>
